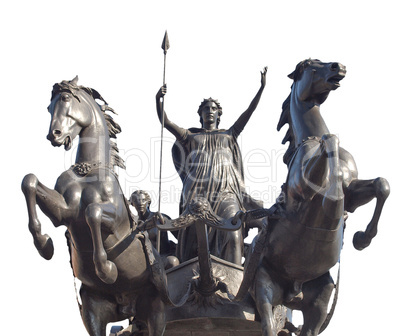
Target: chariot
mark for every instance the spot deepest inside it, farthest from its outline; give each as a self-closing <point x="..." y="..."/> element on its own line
<point x="219" y="314"/>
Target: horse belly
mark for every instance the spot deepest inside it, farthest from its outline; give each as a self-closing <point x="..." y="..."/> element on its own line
<point x="84" y="268"/>
<point x="303" y="254"/>
<point x="130" y="263"/>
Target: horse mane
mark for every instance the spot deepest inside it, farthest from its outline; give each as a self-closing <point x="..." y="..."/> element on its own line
<point x="289" y="137"/>
<point x="113" y="127"/>
<point x="285" y="115"/>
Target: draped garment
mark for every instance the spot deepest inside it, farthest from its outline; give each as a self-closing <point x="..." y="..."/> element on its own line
<point x="210" y="165"/>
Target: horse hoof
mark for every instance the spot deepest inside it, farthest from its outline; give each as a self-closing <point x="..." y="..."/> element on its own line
<point x="292" y="298"/>
<point x="108" y="274"/>
<point x="360" y="240"/>
<point x="45" y="248"/>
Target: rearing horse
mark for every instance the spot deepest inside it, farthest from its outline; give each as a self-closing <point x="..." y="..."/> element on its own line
<point x="304" y="236"/>
<point x="108" y="253"/>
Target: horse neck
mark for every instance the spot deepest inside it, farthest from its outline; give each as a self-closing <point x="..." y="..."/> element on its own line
<point x="306" y="119"/>
<point x="94" y="143"/>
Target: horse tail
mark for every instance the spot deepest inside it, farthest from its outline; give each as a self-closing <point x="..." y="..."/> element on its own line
<point x="334" y="302"/>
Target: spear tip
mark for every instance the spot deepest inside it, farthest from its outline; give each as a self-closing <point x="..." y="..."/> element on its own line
<point x="165" y="43"/>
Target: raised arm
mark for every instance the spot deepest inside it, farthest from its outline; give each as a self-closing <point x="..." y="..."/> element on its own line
<point x="238" y="126"/>
<point x="177" y="131"/>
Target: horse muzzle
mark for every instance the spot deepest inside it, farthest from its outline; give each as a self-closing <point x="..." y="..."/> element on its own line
<point x="56" y="140"/>
<point x="339" y="72"/>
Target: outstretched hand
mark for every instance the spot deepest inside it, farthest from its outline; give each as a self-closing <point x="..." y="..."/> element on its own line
<point x="263" y="76"/>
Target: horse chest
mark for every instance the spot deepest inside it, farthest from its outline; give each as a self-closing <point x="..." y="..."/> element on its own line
<point x="84" y="190"/>
<point x="70" y="190"/>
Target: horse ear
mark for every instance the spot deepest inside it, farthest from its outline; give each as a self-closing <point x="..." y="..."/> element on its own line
<point x="292" y="75"/>
<point x="75" y="80"/>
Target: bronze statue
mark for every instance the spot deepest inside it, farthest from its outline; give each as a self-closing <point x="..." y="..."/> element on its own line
<point x="141" y="200"/>
<point x="116" y="255"/>
<point x="304" y="235"/>
<point x="209" y="163"/>
<point x="121" y="273"/>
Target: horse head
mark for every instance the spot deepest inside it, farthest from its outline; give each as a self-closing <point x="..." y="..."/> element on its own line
<point x="314" y="80"/>
<point x="68" y="115"/>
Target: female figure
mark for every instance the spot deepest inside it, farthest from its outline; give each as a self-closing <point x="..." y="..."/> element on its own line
<point x="209" y="163"/>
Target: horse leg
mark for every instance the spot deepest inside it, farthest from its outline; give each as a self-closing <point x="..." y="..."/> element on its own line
<point x="360" y="192"/>
<point x="53" y="206"/>
<point x="266" y="294"/>
<point x="98" y="215"/>
<point x="96" y="311"/>
<point x="232" y="241"/>
<point x="317" y="294"/>
<point x="151" y="310"/>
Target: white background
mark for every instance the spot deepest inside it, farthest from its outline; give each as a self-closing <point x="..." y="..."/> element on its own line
<point x="217" y="49"/>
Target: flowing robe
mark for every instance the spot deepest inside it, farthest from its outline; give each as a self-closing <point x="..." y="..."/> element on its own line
<point x="210" y="165"/>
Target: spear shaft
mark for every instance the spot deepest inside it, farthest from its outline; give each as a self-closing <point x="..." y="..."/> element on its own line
<point x="165" y="47"/>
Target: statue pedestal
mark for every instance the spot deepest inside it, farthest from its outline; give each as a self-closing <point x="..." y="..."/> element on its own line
<point x="213" y="327"/>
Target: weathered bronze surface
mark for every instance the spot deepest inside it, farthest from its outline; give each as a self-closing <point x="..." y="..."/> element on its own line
<point x="121" y="258"/>
<point x="209" y="163"/>
<point x="304" y="235"/>
<point x="121" y="273"/>
<point x="141" y="200"/>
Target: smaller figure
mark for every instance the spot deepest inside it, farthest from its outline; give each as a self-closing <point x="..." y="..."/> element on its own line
<point x="141" y="201"/>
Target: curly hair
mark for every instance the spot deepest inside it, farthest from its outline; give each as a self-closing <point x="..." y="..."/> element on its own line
<point x="218" y="105"/>
<point x="139" y="192"/>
